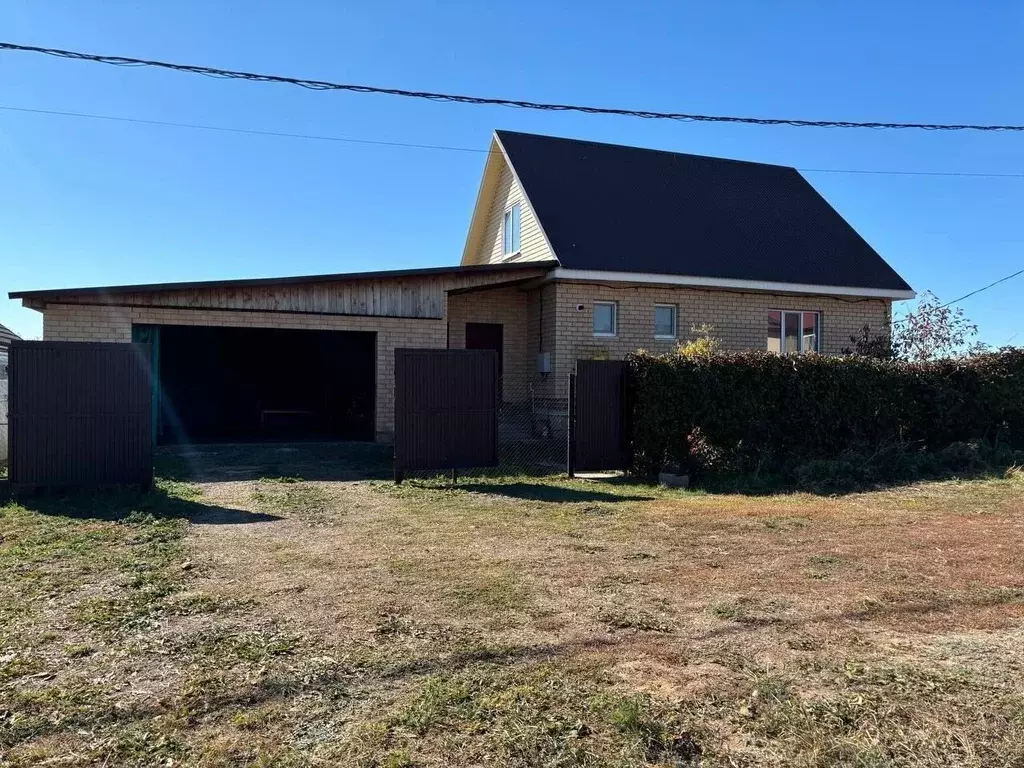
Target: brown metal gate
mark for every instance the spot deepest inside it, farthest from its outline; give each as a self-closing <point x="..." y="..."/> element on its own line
<point x="598" y="435"/>
<point x="79" y="414"/>
<point x="446" y="414"/>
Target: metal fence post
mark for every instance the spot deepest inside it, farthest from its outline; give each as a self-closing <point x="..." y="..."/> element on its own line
<point x="570" y="447"/>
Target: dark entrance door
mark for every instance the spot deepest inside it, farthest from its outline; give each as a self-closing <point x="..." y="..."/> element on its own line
<point x="488" y="336"/>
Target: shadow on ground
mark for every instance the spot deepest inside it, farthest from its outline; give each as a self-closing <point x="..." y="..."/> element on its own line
<point x="555" y="493"/>
<point x="302" y="461"/>
<point x="915" y="612"/>
<point x="465" y="658"/>
<point x="767" y="485"/>
<point x="121" y="504"/>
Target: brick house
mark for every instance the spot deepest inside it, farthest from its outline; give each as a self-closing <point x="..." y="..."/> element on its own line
<point x="575" y="250"/>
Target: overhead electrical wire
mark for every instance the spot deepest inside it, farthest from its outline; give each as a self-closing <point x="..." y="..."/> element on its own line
<point x="250" y="131"/>
<point x="448" y="148"/>
<point x="983" y="288"/>
<point x="325" y="85"/>
<point x="969" y="295"/>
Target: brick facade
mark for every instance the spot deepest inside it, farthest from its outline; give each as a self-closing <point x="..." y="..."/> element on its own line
<point x="508" y="307"/>
<point x="79" y="322"/>
<point x="542" y="304"/>
<point x="739" y="319"/>
<point x="554" y="325"/>
<point x="541" y="319"/>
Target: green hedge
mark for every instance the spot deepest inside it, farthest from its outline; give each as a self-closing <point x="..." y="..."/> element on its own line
<point x="756" y="411"/>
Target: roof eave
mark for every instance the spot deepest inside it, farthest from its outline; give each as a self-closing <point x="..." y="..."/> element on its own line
<point x="761" y="286"/>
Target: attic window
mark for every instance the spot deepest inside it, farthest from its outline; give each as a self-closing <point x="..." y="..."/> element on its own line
<point x="510" y="230"/>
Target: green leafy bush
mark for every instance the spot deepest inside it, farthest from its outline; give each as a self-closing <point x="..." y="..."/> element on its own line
<point x="830" y="417"/>
<point x="961" y="457"/>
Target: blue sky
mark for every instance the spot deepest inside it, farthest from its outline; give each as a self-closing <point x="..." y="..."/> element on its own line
<point x="94" y="202"/>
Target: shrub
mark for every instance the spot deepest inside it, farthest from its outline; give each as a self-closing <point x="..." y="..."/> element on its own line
<point x="829" y="475"/>
<point x="961" y="457"/>
<point x="703" y="347"/>
<point x="758" y="412"/>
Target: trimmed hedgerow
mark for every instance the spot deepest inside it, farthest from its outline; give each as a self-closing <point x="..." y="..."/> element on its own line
<point x="760" y="412"/>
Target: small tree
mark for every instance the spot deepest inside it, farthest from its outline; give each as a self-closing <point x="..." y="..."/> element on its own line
<point x="929" y="332"/>
<point x="932" y="331"/>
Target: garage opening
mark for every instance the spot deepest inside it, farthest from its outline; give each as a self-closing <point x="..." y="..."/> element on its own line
<point x="263" y="384"/>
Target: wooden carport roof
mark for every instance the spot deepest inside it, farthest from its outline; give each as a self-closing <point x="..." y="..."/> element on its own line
<point x="55" y="294"/>
<point x="409" y="293"/>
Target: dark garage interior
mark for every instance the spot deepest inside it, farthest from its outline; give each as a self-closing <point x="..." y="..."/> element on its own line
<point x="253" y="384"/>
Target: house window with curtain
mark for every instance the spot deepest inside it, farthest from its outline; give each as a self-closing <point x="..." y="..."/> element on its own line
<point x="510" y="230"/>
<point x="792" y="332"/>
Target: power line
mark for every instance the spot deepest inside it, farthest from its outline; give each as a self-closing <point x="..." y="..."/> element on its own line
<point x="448" y="148"/>
<point x="968" y="295"/>
<point x="983" y="288"/>
<point x="915" y="173"/>
<point x="324" y="85"/>
<point x="250" y="131"/>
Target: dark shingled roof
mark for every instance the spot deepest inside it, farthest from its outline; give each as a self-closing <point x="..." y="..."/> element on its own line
<point x="626" y="209"/>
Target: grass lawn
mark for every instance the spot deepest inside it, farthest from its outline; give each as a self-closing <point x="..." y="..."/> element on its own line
<point x="254" y="611"/>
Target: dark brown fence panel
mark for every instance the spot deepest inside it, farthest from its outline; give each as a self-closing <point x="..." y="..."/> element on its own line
<point x="445" y="409"/>
<point x="80" y="414"/>
<point x="599" y="435"/>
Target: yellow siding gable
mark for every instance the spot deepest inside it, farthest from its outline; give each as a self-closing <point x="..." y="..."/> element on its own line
<point x="499" y="191"/>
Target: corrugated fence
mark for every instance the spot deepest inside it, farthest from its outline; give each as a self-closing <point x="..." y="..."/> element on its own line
<point x="445" y="409"/>
<point x="79" y="414"/>
<point x="599" y="436"/>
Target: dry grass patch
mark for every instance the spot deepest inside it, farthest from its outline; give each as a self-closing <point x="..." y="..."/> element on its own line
<point x="269" y="621"/>
<point x="490" y="593"/>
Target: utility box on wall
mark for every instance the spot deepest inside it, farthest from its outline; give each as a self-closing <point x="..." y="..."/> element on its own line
<point x="544" y="362"/>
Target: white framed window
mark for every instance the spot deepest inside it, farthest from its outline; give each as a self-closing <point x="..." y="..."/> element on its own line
<point x="791" y="332"/>
<point x="606" y="318"/>
<point x="510" y="230"/>
<point x="665" y="321"/>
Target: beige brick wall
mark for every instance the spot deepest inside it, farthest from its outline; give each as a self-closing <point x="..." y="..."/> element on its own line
<point x="739" y="319"/>
<point x="508" y="307"/>
<point x="67" y="322"/>
<point x="541" y="320"/>
<point x="542" y="304"/>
